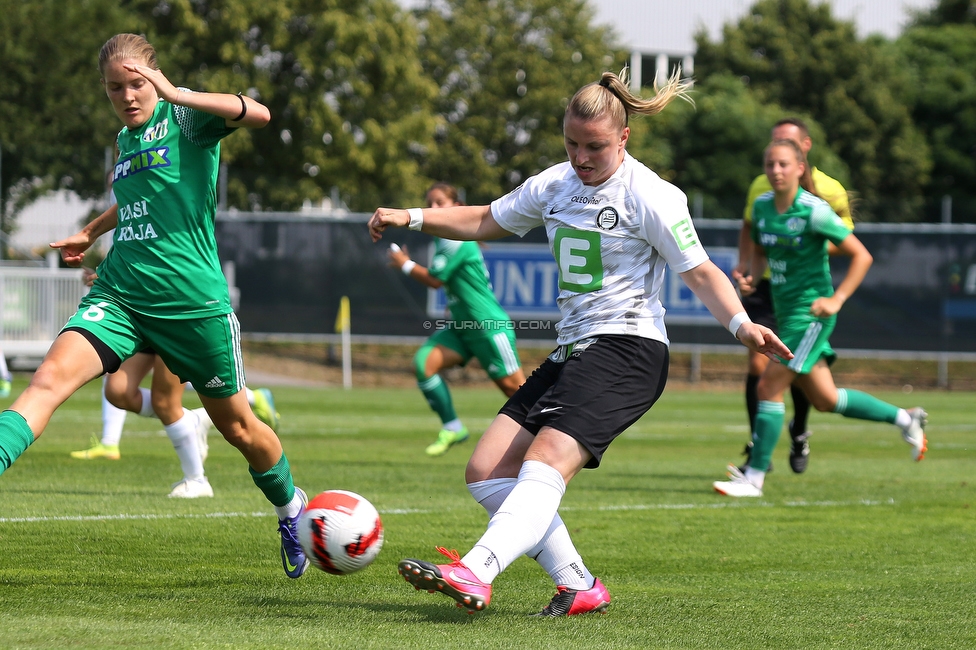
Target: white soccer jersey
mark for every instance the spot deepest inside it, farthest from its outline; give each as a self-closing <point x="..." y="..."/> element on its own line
<point x="610" y="243"/>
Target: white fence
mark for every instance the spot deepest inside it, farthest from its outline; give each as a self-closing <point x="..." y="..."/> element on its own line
<point x="35" y="303"/>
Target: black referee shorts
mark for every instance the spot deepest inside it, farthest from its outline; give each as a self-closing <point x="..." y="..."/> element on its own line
<point x="759" y="305"/>
<point x="592" y="390"/>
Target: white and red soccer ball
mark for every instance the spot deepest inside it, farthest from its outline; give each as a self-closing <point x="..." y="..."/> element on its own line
<point x="340" y="531"/>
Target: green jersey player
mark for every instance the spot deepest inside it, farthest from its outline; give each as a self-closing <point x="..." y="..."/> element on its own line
<point x="791" y="228"/>
<point x="160" y="285"/>
<point x="478" y="326"/>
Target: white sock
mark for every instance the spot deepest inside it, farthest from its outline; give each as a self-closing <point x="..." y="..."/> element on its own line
<point x="250" y="395"/>
<point x="183" y="434"/>
<point x="556" y="553"/>
<point x="520" y="522"/>
<point x="113" y="419"/>
<point x="147" y="410"/>
<point x="4" y="370"/>
<point x="291" y="509"/>
<point x="755" y="476"/>
<point x="903" y="420"/>
<point x="454" y="425"/>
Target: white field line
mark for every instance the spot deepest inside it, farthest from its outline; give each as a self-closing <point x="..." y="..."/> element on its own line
<point x="406" y="511"/>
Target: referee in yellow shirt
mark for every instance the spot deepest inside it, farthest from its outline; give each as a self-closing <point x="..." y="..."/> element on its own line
<point x="759" y="304"/>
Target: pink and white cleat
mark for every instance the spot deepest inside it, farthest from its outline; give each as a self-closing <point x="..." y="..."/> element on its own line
<point x="454" y="580"/>
<point x="570" y="602"/>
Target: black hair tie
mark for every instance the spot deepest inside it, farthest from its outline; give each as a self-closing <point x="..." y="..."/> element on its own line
<point x="240" y="117"/>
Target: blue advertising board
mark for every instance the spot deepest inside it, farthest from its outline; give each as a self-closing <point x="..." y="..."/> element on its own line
<point x="525" y="280"/>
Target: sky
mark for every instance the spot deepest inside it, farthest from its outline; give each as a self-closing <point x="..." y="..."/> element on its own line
<point x="668" y="26"/>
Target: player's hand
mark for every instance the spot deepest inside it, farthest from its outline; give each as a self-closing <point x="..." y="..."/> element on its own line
<point x="88" y="276"/>
<point x="743" y="281"/>
<point x="164" y="88"/>
<point x="761" y="339"/>
<point x="398" y="256"/>
<point x="73" y="248"/>
<point x="825" y="307"/>
<point x="385" y="217"/>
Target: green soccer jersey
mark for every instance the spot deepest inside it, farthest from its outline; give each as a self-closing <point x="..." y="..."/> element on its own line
<point x="796" y="250"/>
<point x="461" y="267"/>
<point x="163" y="261"/>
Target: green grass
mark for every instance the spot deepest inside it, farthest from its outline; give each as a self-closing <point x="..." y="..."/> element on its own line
<point x="865" y="550"/>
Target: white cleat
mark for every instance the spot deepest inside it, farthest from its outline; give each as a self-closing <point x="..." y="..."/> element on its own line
<point x="737" y="485"/>
<point x="203" y="430"/>
<point x="192" y="488"/>
<point x="915" y="433"/>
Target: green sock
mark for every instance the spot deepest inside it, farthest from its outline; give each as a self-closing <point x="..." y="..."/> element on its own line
<point x="15" y="437"/>
<point x="439" y="397"/>
<point x="855" y="404"/>
<point x="769" y="426"/>
<point x="276" y="483"/>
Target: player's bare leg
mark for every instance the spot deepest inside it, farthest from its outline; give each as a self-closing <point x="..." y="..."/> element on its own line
<point x="269" y="468"/>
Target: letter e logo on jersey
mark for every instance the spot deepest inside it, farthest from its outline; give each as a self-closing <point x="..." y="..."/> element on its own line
<point x="607" y="219"/>
<point x="684" y="234"/>
<point x="579" y="258"/>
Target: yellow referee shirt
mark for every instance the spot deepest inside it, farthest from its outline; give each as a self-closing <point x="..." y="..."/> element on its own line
<point x="829" y="189"/>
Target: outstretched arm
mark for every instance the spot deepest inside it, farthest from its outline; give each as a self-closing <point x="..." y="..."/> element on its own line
<point x="73" y="248"/>
<point x="225" y="105"/>
<point x="460" y="222"/>
<point x="713" y="288"/>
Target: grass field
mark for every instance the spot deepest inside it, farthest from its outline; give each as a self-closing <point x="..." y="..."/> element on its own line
<point x="865" y="550"/>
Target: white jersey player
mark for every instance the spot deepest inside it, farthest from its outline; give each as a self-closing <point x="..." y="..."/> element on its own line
<point x="612" y="225"/>
<point x="609" y="280"/>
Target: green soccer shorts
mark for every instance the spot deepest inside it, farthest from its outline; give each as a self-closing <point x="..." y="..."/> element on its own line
<point x="204" y="351"/>
<point x="495" y="350"/>
<point x="809" y="340"/>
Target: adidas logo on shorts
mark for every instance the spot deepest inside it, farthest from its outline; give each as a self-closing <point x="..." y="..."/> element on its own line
<point x="215" y="383"/>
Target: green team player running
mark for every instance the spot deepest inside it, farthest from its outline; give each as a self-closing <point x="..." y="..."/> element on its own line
<point x="160" y="285"/>
<point x="791" y="228"/>
<point x="479" y="327"/>
<point x="757" y="301"/>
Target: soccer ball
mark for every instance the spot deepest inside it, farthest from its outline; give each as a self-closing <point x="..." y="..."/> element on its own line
<point x="340" y="531"/>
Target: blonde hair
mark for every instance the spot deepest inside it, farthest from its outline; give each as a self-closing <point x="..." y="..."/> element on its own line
<point x="127" y="46"/>
<point x="611" y="97"/>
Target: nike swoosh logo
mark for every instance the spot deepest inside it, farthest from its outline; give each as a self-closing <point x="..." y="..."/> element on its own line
<point x="550" y="408"/>
<point x="553" y="210"/>
<point x="288" y="565"/>
<point x="456" y="578"/>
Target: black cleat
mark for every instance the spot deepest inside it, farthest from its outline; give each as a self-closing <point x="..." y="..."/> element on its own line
<point x="799" y="450"/>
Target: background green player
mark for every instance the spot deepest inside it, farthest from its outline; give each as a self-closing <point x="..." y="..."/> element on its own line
<point x="791" y="228"/>
<point x="479" y="327"/>
<point x="161" y="285"/>
<point x="757" y="300"/>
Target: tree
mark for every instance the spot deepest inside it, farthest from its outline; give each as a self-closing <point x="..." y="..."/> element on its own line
<point x="795" y="54"/>
<point x="715" y="147"/>
<point x="506" y="70"/>
<point x="350" y="106"/>
<point x="947" y="12"/>
<point x="55" y="121"/>
<point x="943" y="60"/>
